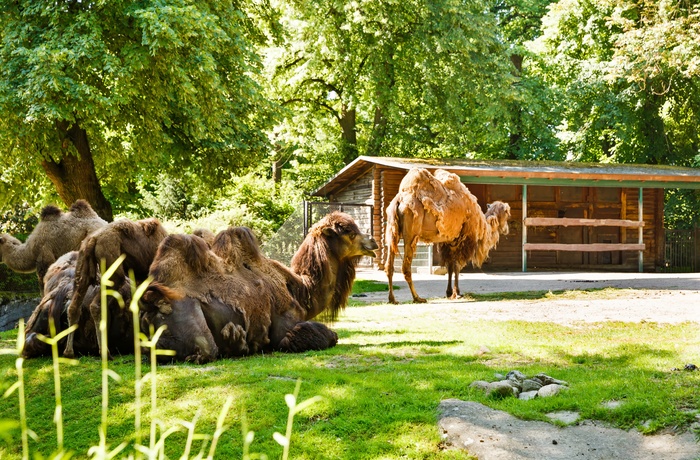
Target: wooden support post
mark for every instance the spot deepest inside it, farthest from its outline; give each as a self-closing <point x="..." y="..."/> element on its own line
<point x="524" y="227"/>
<point x="641" y="229"/>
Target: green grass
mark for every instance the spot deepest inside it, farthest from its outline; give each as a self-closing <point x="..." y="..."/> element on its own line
<point x="380" y="386"/>
<point x="360" y="286"/>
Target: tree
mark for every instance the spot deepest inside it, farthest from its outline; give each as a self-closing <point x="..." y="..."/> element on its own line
<point x="408" y="78"/>
<point x="101" y="95"/>
<point x="628" y="70"/>
<point x="535" y="109"/>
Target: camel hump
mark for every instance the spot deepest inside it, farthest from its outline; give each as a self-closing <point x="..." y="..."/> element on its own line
<point x="50" y="212"/>
<point x="81" y="208"/>
<point x="150" y="226"/>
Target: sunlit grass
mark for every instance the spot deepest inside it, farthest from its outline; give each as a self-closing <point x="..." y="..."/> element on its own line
<point x="381" y="386"/>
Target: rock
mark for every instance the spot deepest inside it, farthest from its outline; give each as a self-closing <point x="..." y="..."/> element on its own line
<point x="516" y="375"/>
<point x="501" y="389"/>
<point x="527" y="395"/>
<point x="547" y="380"/>
<point x="549" y="390"/>
<point x="480" y="384"/>
<point x="530" y="385"/>
<point x="12" y="310"/>
<point x="499" y="376"/>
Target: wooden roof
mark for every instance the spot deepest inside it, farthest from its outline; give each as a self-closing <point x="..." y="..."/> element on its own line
<point x="529" y="173"/>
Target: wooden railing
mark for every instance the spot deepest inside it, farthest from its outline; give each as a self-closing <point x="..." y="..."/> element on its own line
<point x="590" y="247"/>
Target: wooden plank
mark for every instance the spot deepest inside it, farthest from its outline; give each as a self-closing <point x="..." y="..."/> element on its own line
<point x="568" y="221"/>
<point x="592" y="247"/>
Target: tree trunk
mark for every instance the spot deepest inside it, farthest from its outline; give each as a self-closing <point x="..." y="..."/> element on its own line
<point x="74" y="176"/>
<point x="348" y="123"/>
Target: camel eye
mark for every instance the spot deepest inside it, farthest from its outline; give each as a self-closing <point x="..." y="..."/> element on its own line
<point x="352" y="236"/>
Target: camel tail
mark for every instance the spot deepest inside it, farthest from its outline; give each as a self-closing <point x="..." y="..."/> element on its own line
<point x="391" y="235"/>
<point x="85" y="271"/>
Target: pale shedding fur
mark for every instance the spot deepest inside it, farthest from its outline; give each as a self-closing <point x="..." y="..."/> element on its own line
<point x="57" y="233"/>
<point x="439" y="208"/>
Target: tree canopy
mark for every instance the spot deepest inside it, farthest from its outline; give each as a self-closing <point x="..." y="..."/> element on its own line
<point x="101" y="95"/>
<point x="121" y="102"/>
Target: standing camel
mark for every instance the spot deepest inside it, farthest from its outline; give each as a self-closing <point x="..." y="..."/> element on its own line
<point x="438" y="208"/>
<point x="57" y="233"/>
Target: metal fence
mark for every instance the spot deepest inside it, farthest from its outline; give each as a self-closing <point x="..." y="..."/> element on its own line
<point x="288" y="238"/>
<point x="679" y="255"/>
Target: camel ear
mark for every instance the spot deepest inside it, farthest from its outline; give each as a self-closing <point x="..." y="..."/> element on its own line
<point x="154" y="299"/>
<point x="329" y="231"/>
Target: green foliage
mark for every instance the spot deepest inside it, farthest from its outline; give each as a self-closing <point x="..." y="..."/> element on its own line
<point x="682" y="209"/>
<point x="253" y="201"/>
<point x="629" y="97"/>
<point x="157" y="86"/>
<point x="387" y="78"/>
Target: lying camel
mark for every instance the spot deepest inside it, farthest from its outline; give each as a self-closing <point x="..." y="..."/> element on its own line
<point x="56" y="233"/>
<point x="54" y="305"/>
<point x="137" y="240"/>
<point x="232" y="300"/>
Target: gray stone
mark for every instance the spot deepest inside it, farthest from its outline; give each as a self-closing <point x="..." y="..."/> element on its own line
<point x="501" y="389"/>
<point x="499" y="376"/>
<point x="564" y="416"/>
<point x="549" y="390"/>
<point x="527" y="395"/>
<point x="530" y="385"/>
<point x="516" y="375"/>
<point x="11" y="310"/>
<point x="480" y="384"/>
<point x="547" y="380"/>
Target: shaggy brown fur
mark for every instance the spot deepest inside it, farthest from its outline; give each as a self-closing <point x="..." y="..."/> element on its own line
<point x="233" y="300"/>
<point x="56" y="234"/>
<point x="53" y="306"/>
<point x="438" y="208"/>
<point x="138" y="241"/>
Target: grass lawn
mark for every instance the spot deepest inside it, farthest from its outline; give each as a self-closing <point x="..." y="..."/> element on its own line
<point x="380" y="387"/>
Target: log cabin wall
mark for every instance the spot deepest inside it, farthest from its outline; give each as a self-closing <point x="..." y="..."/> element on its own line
<point x="379" y="184"/>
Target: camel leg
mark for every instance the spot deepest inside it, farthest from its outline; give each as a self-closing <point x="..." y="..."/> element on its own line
<point x="389" y="269"/>
<point x="456" y="294"/>
<point x="96" y="315"/>
<point x="448" y="291"/>
<point x="308" y="335"/>
<point x="409" y="250"/>
<point x="73" y="312"/>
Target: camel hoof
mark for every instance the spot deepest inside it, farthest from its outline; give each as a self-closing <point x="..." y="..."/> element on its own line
<point x="68" y="354"/>
<point x="419" y="300"/>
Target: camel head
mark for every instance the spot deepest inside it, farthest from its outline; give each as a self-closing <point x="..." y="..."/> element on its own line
<point x="7" y="241"/>
<point x="497" y="215"/>
<point x="185" y="329"/>
<point x="344" y="237"/>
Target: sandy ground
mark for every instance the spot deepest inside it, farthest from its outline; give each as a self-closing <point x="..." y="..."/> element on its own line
<point x="495" y="435"/>
<point x="657" y="297"/>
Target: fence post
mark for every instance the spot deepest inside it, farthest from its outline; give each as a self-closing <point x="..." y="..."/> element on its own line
<point x="696" y="246"/>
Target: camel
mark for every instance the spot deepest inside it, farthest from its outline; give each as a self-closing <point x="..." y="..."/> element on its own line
<point x="54" y="304"/>
<point x="231" y="300"/>
<point x="56" y="233"/>
<point x="438" y="208"/>
<point x="137" y="240"/>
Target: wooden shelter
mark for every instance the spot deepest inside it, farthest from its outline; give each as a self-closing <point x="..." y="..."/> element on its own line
<point x="565" y="215"/>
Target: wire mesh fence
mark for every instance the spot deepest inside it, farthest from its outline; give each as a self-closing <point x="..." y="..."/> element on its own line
<point x="680" y="251"/>
<point x="283" y="244"/>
